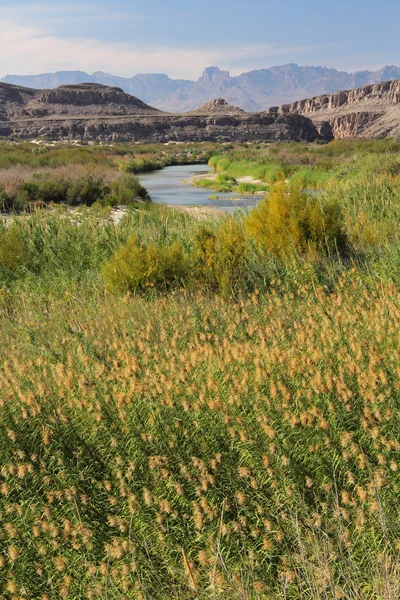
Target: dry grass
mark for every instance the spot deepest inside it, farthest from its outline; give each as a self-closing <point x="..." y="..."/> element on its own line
<point x="192" y="448"/>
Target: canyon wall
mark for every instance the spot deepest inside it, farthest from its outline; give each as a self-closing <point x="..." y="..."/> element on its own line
<point x="368" y="111"/>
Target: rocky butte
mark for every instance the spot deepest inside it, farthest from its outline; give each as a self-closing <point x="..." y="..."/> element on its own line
<point x="90" y="111"/>
<point x="371" y="111"/>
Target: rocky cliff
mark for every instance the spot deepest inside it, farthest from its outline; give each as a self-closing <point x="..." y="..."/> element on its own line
<point x="368" y="111"/>
<point x="103" y="113"/>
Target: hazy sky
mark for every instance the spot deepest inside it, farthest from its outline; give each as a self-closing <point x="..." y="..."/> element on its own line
<point x="182" y="37"/>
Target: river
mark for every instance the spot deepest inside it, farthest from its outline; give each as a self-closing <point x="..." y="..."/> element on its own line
<point x="167" y="187"/>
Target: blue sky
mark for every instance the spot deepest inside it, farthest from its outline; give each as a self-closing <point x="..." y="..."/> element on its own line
<point x="181" y="38"/>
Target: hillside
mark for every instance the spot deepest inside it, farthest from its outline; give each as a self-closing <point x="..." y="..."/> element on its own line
<point x="96" y="112"/>
<point x="86" y="99"/>
<point x="253" y="91"/>
<point x="368" y="111"/>
<point x="219" y="106"/>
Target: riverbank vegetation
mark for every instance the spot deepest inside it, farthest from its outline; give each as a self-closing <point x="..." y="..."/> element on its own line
<point x="311" y="167"/>
<point x="200" y="405"/>
<point x="32" y="175"/>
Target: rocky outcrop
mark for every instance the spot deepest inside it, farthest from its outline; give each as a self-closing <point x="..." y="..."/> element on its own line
<point x="103" y="113"/>
<point x="368" y="111"/>
<point x="217" y="106"/>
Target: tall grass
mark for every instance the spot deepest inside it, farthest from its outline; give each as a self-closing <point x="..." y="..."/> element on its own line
<point x="200" y="407"/>
<point x="197" y="448"/>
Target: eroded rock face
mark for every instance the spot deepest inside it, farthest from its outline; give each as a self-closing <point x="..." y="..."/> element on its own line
<point x="369" y="111"/>
<point x="96" y="112"/>
<point x="163" y="129"/>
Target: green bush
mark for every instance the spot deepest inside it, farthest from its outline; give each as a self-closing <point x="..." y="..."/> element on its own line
<point x="221" y="257"/>
<point x="137" y="267"/>
<point x="289" y="219"/>
<point x="126" y="190"/>
<point x="13" y="248"/>
<point x="140" y="165"/>
<point x="224" y="178"/>
<point x="251" y="188"/>
<point x="214" y="184"/>
<point x="274" y="174"/>
<point x="8" y="201"/>
<point x="223" y="165"/>
<point x="72" y="186"/>
<point x="219" y="163"/>
<point x="311" y="178"/>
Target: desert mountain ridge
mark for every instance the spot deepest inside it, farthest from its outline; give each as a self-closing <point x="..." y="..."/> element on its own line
<point x="96" y="112"/>
<point x="91" y="112"/>
<point x="254" y="91"/>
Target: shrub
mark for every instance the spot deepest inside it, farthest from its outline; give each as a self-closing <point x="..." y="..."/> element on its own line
<point x="224" y="178"/>
<point x="221" y="257"/>
<point x="126" y="190"/>
<point x="288" y="219"/>
<point x="13" y="248"/>
<point x="213" y="162"/>
<point x="136" y="266"/>
<point x="219" y="163"/>
<point x="223" y="165"/>
<point x="73" y="185"/>
<point x="7" y="201"/>
<point x="311" y="178"/>
<point x="251" y="188"/>
<point x="140" y="165"/>
<point x="274" y="174"/>
<point x="85" y="190"/>
<point x="223" y="187"/>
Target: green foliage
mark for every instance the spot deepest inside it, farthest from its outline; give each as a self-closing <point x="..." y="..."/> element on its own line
<point x="73" y="186"/>
<point x="137" y="267"/>
<point x="140" y="165"/>
<point x="224" y="178"/>
<point x="219" y="163"/>
<point x="289" y="220"/>
<point x="221" y="257"/>
<point x="251" y="188"/>
<point x="14" y="251"/>
<point x="125" y="190"/>
<point x="224" y="186"/>
<point x="311" y="178"/>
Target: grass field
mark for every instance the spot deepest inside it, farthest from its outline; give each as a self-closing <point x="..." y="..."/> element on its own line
<point x="206" y="408"/>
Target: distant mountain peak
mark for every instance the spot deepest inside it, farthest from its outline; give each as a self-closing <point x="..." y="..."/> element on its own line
<point x="214" y="73"/>
<point x="253" y="91"/>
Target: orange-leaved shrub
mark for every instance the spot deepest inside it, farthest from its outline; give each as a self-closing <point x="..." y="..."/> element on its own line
<point x="290" y="220"/>
<point x="136" y="266"/>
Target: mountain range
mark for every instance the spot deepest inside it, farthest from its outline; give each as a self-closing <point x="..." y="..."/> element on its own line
<point x="253" y="91"/>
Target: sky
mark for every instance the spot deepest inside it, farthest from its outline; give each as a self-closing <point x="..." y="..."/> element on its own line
<point x="183" y="37"/>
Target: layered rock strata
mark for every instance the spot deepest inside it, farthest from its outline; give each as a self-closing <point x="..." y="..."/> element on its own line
<point x="95" y="112"/>
<point x="368" y="112"/>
